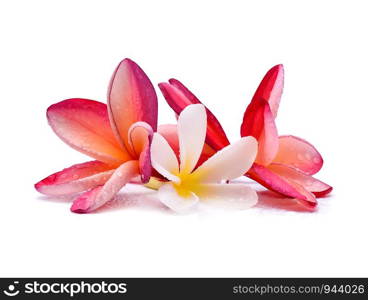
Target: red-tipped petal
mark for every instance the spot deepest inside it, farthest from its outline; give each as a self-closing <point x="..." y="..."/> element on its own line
<point x="298" y="153"/>
<point x="270" y="88"/>
<point x="131" y="98"/>
<point x="140" y="137"/>
<point x="75" y="179"/>
<point x="317" y="187"/>
<point x="259" y="122"/>
<point x="84" y="125"/>
<point x="282" y="185"/>
<point x="179" y="97"/>
<point x="97" y="197"/>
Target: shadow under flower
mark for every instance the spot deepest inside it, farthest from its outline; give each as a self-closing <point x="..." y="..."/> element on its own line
<point x="138" y="197"/>
<point x="269" y="199"/>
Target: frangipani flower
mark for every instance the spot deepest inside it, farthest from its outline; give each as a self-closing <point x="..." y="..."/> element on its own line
<point x="284" y="164"/>
<point x="117" y="136"/>
<point x="186" y="184"/>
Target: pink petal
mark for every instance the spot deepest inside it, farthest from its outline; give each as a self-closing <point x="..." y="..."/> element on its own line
<point x="282" y="185"/>
<point x="270" y="88"/>
<point x="131" y="98"/>
<point x="170" y="133"/>
<point x="84" y="125"/>
<point x="298" y="153"/>
<point x="259" y="122"/>
<point x="140" y="137"/>
<point x="75" y="179"/>
<point x="178" y="97"/>
<point x="98" y="196"/>
<point x="317" y="187"/>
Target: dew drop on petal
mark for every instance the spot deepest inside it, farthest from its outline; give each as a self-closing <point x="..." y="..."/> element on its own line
<point x="316" y="160"/>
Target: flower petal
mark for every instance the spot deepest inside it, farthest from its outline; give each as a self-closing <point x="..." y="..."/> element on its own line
<point x="298" y="153"/>
<point x="229" y="163"/>
<point x="270" y="88"/>
<point x="317" y="187"/>
<point x="140" y="136"/>
<point x="131" y="98"/>
<point x="98" y="196"/>
<point x="180" y="203"/>
<point x="170" y="133"/>
<point x="192" y="132"/>
<point x="84" y="125"/>
<point x="178" y="97"/>
<point x="228" y="196"/>
<point x="75" y="179"/>
<point x="282" y="185"/>
<point x="259" y="122"/>
<point x="163" y="158"/>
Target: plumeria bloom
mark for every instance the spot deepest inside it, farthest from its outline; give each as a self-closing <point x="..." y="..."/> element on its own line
<point x="187" y="184"/>
<point x="284" y="164"/>
<point x="117" y="135"/>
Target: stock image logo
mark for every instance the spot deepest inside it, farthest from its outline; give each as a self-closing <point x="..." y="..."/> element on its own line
<point x="12" y="290"/>
<point x="61" y="288"/>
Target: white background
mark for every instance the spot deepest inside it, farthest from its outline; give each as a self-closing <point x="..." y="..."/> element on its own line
<point x="52" y="50"/>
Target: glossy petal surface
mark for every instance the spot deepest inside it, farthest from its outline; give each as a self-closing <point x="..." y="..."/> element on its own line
<point x="131" y="98"/>
<point x="179" y="97"/>
<point x="75" y="179"/>
<point x="84" y="125"/>
<point x="298" y="153"/>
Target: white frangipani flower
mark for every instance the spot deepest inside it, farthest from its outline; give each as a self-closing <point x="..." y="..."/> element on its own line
<point x="187" y="186"/>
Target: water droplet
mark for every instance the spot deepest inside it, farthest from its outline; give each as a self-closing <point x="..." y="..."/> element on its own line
<point x="308" y="156"/>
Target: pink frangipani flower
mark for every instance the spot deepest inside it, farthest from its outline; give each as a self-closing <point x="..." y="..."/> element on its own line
<point x="117" y="135"/>
<point x="284" y="164"/>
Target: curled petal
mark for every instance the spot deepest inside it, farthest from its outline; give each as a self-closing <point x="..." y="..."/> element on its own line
<point x="140" y="136"/>
<point x="192" y="132"/>
<point x="75" y="179"/>
<point x="84" y="125"/>
<point x="317" y="187"/>
<point x="229" y="163"/>
<point x="98" y="196"/>
<point x="179" y="97"/>
<point x="164" y="159"/>
<point x="131" y="98"/>
<point x="228" y="196"/>
<point x="259" y="122"/>
<point x="179" y="201"/>
<point x="298" y="153"/>
<point x="270" y="88"/>
<point x="282" y="185"/>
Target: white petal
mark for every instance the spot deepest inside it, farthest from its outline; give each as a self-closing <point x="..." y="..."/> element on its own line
<point x="192" y="126"/>
<point x="163" y="158"/>
<point x="180" y="204"/>
<point x="228" y="196"/>
<point x="229" y="163"/>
